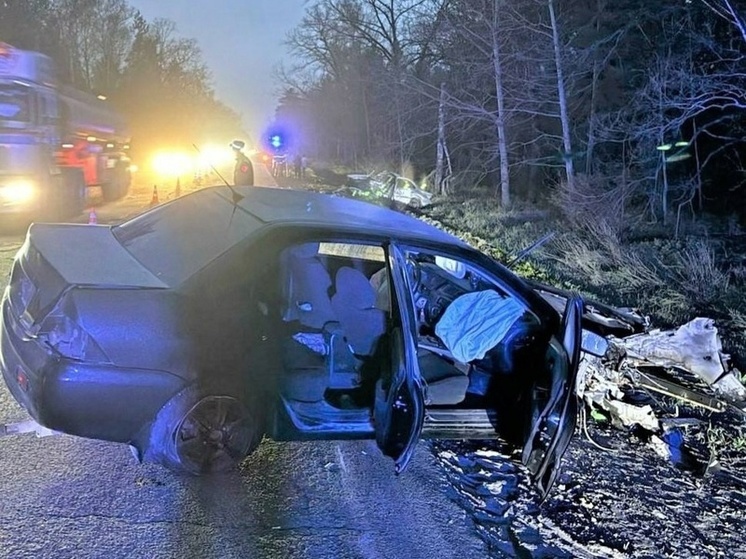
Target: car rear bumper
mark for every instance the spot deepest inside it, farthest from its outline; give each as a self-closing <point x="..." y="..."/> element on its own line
<point x="99" y="401"/>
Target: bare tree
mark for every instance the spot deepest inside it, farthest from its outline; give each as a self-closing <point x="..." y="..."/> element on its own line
<point x="362" y="53"/>
<point x="726" y="10"/>
<point x="562" y="99"/>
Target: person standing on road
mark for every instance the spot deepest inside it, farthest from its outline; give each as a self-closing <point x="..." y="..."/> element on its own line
<point x="243" y="172"/>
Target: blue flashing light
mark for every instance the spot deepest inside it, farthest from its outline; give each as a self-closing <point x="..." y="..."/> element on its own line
<point x="276" y="141"/>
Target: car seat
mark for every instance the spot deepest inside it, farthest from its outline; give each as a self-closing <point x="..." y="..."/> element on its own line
<point x="354" y="306"/>
<point x="307" y="310"/>
<point x="446" y="383"/>
<point x="306" y="288"/>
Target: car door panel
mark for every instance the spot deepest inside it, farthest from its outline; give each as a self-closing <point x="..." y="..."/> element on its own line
<point x="399" y="408"/>
<point x="553" y="421"/>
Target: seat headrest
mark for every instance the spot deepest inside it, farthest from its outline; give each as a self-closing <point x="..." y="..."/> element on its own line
<point x="354" y="288"/>
<point x="306" y="250"/>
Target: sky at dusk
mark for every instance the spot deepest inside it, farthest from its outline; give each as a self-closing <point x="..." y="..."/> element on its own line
<point x="242" y="44"/>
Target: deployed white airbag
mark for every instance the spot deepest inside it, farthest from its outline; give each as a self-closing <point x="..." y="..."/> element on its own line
<point x="476" y="322"/>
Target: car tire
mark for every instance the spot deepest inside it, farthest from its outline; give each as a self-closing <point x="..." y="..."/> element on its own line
<point x="202" y="432"/>
<point x="415" y="203"/>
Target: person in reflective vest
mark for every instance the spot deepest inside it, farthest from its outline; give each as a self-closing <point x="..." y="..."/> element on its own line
<point x="243" y="172"/>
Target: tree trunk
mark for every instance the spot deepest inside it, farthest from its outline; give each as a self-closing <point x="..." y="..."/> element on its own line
<point x="502" y="141"/>
<point x="661" y="140"/>
<point x="562" y="97"/>
<point x="664" y="194"/>
<point x="699" y="165"/>
<point x="366" y="115"/>
<point x="594" y="101"/>
<point x="441" y="146"/>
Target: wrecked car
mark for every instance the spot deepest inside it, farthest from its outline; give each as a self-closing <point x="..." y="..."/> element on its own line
<point x="390" y="187"/>
<point x="196" y="328"/>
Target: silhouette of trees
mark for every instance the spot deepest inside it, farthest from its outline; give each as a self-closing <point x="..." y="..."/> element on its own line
<point x="532" y="98"/>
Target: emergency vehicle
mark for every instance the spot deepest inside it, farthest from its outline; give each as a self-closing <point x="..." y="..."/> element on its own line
<point x="55" y="141"/>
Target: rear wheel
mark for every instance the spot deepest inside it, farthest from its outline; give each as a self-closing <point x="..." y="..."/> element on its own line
<point x="202" y="433"/>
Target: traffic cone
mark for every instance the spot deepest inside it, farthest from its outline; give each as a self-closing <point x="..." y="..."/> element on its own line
<point x="92" y="217"/>
<point x="177" y="191"/>
<point x="154" y="200"/>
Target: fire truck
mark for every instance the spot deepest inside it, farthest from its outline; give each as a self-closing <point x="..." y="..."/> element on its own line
<point x="55" y="141"/>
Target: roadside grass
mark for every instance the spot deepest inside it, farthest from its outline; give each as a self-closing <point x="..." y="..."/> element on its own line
<point x="727" y="444"/>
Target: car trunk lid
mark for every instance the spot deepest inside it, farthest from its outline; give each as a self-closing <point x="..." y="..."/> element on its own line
<point x="90" y="255"/>
<point x="55" y="257"/>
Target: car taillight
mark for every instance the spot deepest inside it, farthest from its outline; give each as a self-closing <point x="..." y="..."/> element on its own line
<point x="69" y="339"/>
<point x="22" y="379"/>
<point x="21" y="293"/>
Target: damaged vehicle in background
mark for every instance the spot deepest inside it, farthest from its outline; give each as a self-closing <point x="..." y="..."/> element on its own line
<point x="192" y="330"/>
<point x="387" y="186"/>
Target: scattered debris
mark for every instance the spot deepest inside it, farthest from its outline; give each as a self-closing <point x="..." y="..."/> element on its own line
<point x="686" y="364"/>
<point x="694" y="347"/>
<point x="27" y="426"/>
<point x="629" y="415"/>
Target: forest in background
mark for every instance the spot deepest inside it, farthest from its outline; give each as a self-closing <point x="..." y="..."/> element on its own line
<point x="622" y="111"/>
<point x="156" y="78"/>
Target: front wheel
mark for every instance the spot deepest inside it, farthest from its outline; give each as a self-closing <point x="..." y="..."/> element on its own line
<point x="203" y="433"/>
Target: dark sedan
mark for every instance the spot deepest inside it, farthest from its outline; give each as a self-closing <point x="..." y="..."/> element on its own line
<point x="196" y="328"/>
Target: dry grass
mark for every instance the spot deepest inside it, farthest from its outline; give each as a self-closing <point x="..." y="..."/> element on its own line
<point x="699" y="275"/>
<point x="594" y="200"/>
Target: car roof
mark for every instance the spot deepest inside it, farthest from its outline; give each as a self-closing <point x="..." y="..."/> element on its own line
<point x="179" y="238"/>
<point x="283" y="206"/>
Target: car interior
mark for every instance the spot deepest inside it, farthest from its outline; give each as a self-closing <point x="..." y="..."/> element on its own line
<point x="338" y="312"/>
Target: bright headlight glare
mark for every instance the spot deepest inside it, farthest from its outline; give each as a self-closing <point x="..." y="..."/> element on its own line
<point x="17" y="191"/>
<point x="212" y="154"/>
<point x="172" y="163"/>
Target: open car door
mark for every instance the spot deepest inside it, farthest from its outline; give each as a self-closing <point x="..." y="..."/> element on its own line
<point x="555" y="405"/>
<point x="399" y="410"/>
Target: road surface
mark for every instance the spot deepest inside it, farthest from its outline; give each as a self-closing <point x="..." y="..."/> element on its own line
<point x="69" y="497"/>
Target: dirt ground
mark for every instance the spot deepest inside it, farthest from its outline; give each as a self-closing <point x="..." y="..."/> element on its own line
<point x="624" y="502"/>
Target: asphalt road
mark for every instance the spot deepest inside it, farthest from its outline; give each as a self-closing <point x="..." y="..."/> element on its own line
<point x="63" y="496"/>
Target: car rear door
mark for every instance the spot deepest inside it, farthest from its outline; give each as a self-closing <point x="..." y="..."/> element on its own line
<point x="555" y="405"/>
<point x="399" y="410"/>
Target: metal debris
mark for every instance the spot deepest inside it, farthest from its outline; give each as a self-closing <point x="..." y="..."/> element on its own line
<point x="636" y="362"/>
